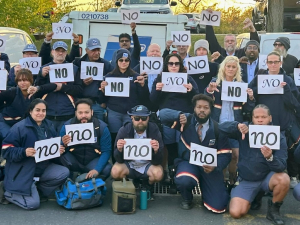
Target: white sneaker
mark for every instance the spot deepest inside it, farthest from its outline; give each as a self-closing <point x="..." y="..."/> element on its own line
<point x="293" y="182"/>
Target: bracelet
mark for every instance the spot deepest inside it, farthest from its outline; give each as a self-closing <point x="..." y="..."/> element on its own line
<point x="270" y="159"/>
<point x="210" y="92"/>
<point x="76" y="43"/>
<point x="47" y="42"/>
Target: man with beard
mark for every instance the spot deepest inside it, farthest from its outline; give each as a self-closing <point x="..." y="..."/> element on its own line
<point x="200" y="129"/>
<point x="125" y="42"/>
<point x="138" y="129"/>
<point x="282" y="45"/>
<point x="88" y="158"/>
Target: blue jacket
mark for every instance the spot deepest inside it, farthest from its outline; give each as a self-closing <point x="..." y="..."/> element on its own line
<point x="93" y="90"/>
<point x="4" y="57"/>
<point x="189" y="135"/>
<point x="285" y="108"/>
<point x="20" y="169"/>
<point x="61" y="103"/>
<point x="238" y="107"/>
<point x="297" y="154"/>
<point x="252" y="165"/>
<point x="173" y="100"/>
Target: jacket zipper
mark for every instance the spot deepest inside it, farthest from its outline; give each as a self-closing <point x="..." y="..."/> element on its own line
<point x="17" y="173"/>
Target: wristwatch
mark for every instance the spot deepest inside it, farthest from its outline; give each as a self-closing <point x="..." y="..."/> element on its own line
<point x="270" y="159"/>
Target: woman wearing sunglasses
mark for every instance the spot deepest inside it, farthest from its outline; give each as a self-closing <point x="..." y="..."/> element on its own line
<point x="117" y="107"/>
<point x="171" y="100"/>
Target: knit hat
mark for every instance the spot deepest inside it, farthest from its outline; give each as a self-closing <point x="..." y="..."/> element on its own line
<point x="201" y="43"/>
<point x="122" y="52"/>
<point x="252" y="42"/>
<point x="285" y="41"/>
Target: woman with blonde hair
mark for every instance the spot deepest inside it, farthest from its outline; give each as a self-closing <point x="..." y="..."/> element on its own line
<point x="223" y="111"/>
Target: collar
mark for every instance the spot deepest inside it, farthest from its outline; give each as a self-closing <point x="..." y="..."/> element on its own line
<point x="143" y="135"/>
<point x="254" y="62"/>
<point x="206" y="124"/>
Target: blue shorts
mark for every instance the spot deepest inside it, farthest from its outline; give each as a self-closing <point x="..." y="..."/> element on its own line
<point x="133" y="174"/>
<point x="249" y="189"/>
<point x="170" y="135"/>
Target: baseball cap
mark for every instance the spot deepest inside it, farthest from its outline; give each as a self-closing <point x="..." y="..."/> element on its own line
<point x="139" y="110"/>
<point x="93" y="43"/>
<point x="60" y="44"/>
<point x="30" y="48"/>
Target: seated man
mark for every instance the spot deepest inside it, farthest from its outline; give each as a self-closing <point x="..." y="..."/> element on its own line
<point x="258" y="169"/>
<point x="139" y="169"/>
<point x="200" y="129"/>
<point x="88" y="158"/>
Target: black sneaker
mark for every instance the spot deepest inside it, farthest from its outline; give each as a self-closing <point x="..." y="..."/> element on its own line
<point x="187" y="205"/>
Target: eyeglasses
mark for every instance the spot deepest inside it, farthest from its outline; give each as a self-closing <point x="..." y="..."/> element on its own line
<point x="138" y="118"/>
<point x="277" y="44"/>
<point x="273" y="62"/>
<point x="252" y="48"/>
<point x="173" y="63"/>
<point x="123" y="60"/>
<point x="124" y="41"/>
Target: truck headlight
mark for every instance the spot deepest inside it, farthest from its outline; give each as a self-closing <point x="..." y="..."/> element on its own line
<point x="166" y="11"/>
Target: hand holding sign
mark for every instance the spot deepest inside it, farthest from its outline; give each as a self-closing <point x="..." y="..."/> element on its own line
<point x="82" y="133"/>
<point x="234" y="91"/>
<point x="212" y="18"/>
<point x="118" y="87"/>
<point x="62" y="30"/>
<point x="159" y="86"/>
<point x="30" y="152"/>
<point x="138" y="149"/>
<point x="91" y="70"/>
<point x="31" y="63"/>
<point x="200" y="155"/>
<point x="61" y="73"/>
<point x="181" y="37"/>
<point x="129" y="16"/>
<point x="264" y="135"/>
<point x="270" y="84"/>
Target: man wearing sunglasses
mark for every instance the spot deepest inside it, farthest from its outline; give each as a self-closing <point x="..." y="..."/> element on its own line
<point x="125" y="42"/>
<point x="140" y="127"/>
<point x="282" y="45"/>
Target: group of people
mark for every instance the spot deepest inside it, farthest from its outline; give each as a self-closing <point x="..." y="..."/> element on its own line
<point x="33" y="108"/>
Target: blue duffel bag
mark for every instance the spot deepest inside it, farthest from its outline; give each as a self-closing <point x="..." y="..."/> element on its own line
<point x="81" y="194"/>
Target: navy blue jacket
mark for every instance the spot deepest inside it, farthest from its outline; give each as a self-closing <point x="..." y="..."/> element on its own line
<point x="60" y="103"/>
<point x="284" y="108"/>
<point x="252" y="165"/>
<point x="127" y="131"/>
<point x="297" y="154"/>
<point x="238" y="107"/>
<point x="93" y="90"/>
<point x="245" y="71"/>
<point x="4" y="57"/>
<point x="20" y="169"/>
<point x="173" y="100"/>
<point x="189" y="135"/>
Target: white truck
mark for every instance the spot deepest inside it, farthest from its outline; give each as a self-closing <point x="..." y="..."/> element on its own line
<point x="107" y="26"/>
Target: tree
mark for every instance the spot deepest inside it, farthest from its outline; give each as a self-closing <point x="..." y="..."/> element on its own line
<point x="275" y="16"/>
<point x="190" y="5"/>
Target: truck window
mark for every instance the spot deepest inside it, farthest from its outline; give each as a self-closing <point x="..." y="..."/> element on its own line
<point x="267" y="47"/>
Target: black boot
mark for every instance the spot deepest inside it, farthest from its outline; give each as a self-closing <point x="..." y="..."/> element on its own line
<point x="256" y="204"/>
<point x="273" y="212"/>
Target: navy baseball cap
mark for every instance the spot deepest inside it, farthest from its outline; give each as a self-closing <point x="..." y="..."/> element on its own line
<point x="93" y="43"/>
<point x="60" y="44"/>
<point x="139" y="110"/>
<point x="30" y="48"/>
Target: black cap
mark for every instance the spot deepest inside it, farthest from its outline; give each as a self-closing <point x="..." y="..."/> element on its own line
<point x="139" y="110"/>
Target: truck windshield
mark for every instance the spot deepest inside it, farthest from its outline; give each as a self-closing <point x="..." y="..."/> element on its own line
<point x="145" y="2"/>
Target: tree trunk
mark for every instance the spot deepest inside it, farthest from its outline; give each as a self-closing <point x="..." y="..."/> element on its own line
<point x="275" y="16"/>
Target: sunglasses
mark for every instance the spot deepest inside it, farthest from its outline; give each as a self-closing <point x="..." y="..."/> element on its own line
<point x="279" y="45"/>
<point x="123" y="60"/>
<point x="124" y="41"/>
<point x="138" y="118"/>
<point x="173" y="63"/>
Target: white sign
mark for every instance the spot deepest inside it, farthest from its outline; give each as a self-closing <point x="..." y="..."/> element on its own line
<point x="61" y="73"/>
<point x="200" y="155"/>
<point x="181" y="37"/>
<point x="118" y="87"/>
<point x="62" y="30"/>
<point x="47" y="149"/>
<point x="31" y="63"/>
<point x="262" y="61"/>
<point x="2" y="65"/>
<point x="129" y="16"/>
<point x="297" y="76"/>
<point x="3" y="78"/>
<point x="234" y="91"/>
<point x="81" y="133"/>
<point x="269" y="84"/>
<point x="91" y="69"/>
<point x="151" y="65"/>
<point x="173" y="82"/>
<point x="212" y="19"/>
<point x="198" y="64"/>
<point x="2" y="43"/>
<point x="137" y="149"/>
<point x="260" y="135"/>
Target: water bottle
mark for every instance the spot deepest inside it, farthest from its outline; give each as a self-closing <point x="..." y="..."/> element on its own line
<point x="144" y="197"/>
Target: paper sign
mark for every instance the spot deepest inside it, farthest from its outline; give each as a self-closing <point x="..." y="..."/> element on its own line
<point x="2" y="65"/>
<point x="151" y="65"/>
<point x="61" y="73"/>
<point x="118" y="87"/>
<point x="91" y="69"/>
<point x="47" y="149"/>
<point x="297" y="76"/>
<point x="200" y="155"/>
<point x="62" y="30"/>
<point x="31" y="63"/>
<point x="196" y="65"/>
<point x="2" y="43"/>
<point x="173" y="82"/>
<point x="81" y="133"/>
<point x="234" y="91"/>
<point x="260" y="135"/>
<point x="212" y="19"/>
<point x="3" y="79"/>
<point x="181" y="37"/>
<point x="137" y="149"/>
<point x="262" y="61"/>
<point x="269" y="84"/>
<point x="129" y="16"/>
